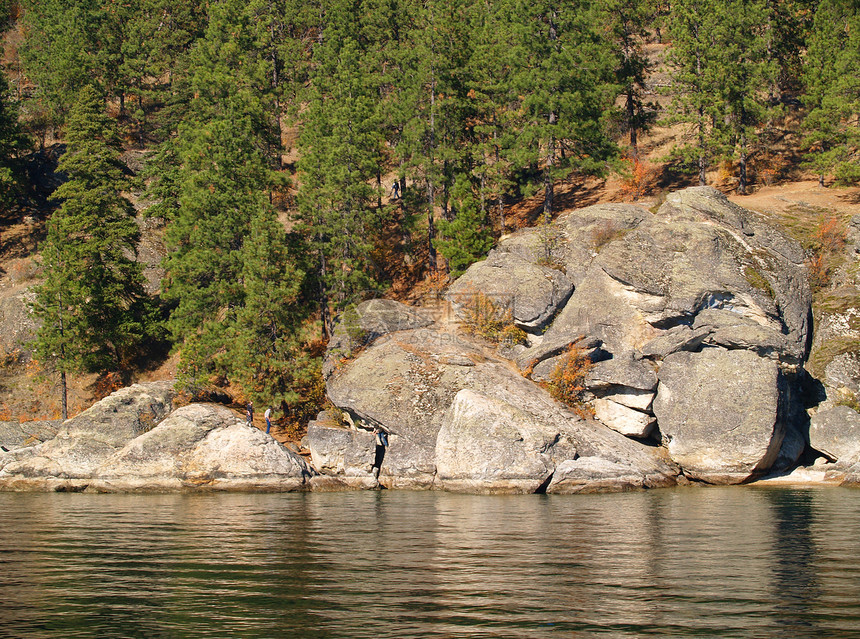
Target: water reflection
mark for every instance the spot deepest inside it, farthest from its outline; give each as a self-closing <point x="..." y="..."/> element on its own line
<point x="739" y="562"/>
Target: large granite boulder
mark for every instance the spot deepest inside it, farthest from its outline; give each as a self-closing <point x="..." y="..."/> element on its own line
<point x="489" y="445"/>
<point x="446" y="402"/>
<point x="344" y="455"/>
<point x="835" y="432"/>
<point x="699" y="253"/>
<point x="202" y="447"/>
<point x="695" y="319"/>
<point x="531" y="292"/>
<point x="721" y="413"/>
<point x="365" y="323"/>
<point x="87" y="440"/>
<point x="593" y="474"/>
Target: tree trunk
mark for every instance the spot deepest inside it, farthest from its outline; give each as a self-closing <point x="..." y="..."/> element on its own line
<point x="548" y="175"/>
<point x="325" y="313"/>
<point x="431" y="227"/>
<point x="379" y="189"/>
<point x="631" y="122"/>
<point x="64" y="403"/>
<point x="501" y="195"/>
<point x="742" y="167"/>
<point x="702" y="163"/>
<point x="431" y="192"/>
<point x="63" y="387"/>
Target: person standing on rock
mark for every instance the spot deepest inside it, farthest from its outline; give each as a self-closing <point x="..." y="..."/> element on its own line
<point x="381" y="445"/>
<point x="268" y="415"/>
<point x="250" y="413"/>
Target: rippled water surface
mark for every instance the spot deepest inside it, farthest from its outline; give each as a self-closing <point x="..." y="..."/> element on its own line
<point x="727" y="562"/>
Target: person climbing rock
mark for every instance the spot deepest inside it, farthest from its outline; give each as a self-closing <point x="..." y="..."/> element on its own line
<point x="250" y="413"/>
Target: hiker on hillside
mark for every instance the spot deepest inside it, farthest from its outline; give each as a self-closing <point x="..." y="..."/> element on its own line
<point x="267" y="415"/>
<point x="395" y="190"/>
<point x="250" y="413"/>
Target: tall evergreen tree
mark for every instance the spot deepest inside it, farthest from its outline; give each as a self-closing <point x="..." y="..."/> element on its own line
<point x="467" y="237"/>
<point x="563" y="79"/>
<point x="833" y="92"/>
<point x="746" y="72"/>
<point x="13" y="142"/>
<point x="93" y="309"/>
<point x="268" y="358"/>
<point x="341" y="147"/>
<point x="630" y="21"/>
<point x="691" y="26"/>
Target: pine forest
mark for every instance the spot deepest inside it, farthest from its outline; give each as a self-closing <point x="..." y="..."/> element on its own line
<point x="296" y="157"/>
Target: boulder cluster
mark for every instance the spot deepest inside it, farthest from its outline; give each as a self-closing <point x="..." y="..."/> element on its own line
<point x="695" y="321"/>
<point x="134" y="440"/>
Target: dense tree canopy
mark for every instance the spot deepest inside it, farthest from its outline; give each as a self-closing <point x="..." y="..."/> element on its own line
<point x="276" y="129"/>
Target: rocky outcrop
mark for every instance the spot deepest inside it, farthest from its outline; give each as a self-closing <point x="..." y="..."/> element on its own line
<point x="460" y="419"/>
<point x="530" y="291"/>
<point x="14" y="435"/>
<point x="835" y="433"/>
<point x="85" y="441"/>
<point x="367" y="322"/>
<point x="202" y="447"/>
<point x="696" y="318"/>
<point x="134" y="441"/>
<point x="487" y="444"/>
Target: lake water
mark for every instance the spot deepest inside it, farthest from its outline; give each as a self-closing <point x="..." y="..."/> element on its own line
<point x="698" y="562"/>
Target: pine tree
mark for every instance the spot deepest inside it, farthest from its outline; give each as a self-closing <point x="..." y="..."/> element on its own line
<point x="341" y="151"/>
<point x="722" y="79"/>
<point x="232" y="282"/>
<point x="268" y="358"/>
<point x="630" y="21"/>
<point x="563" y="78"/>
<point x="469" y="239"/>
<point x="12" y="143"/>
<point x="833" y="92"/>
<point x="691" y="25"/>
<point x="746" y="72"/>
<point x="93" y="310"/>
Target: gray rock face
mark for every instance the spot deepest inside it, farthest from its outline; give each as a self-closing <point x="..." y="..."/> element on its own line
<point x="530" y="291"/>
<point x="689" y="316"/>
<point x="341" y="451"/>
<point x="623" y="419"/>
<point x="720" y="413"/>
<point x="368" y="322"/>
<point x="836" y="433"/>
<point x="446" y="403"/>
<point x="698" y="254"/>
<point x="489" y="444"/>
<point x="843" y="371"/>
<point x="85" y="441"/>
<point x="202" y="447"/>
<point x="592" y="474"/>
<point x="15" y="435"/>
